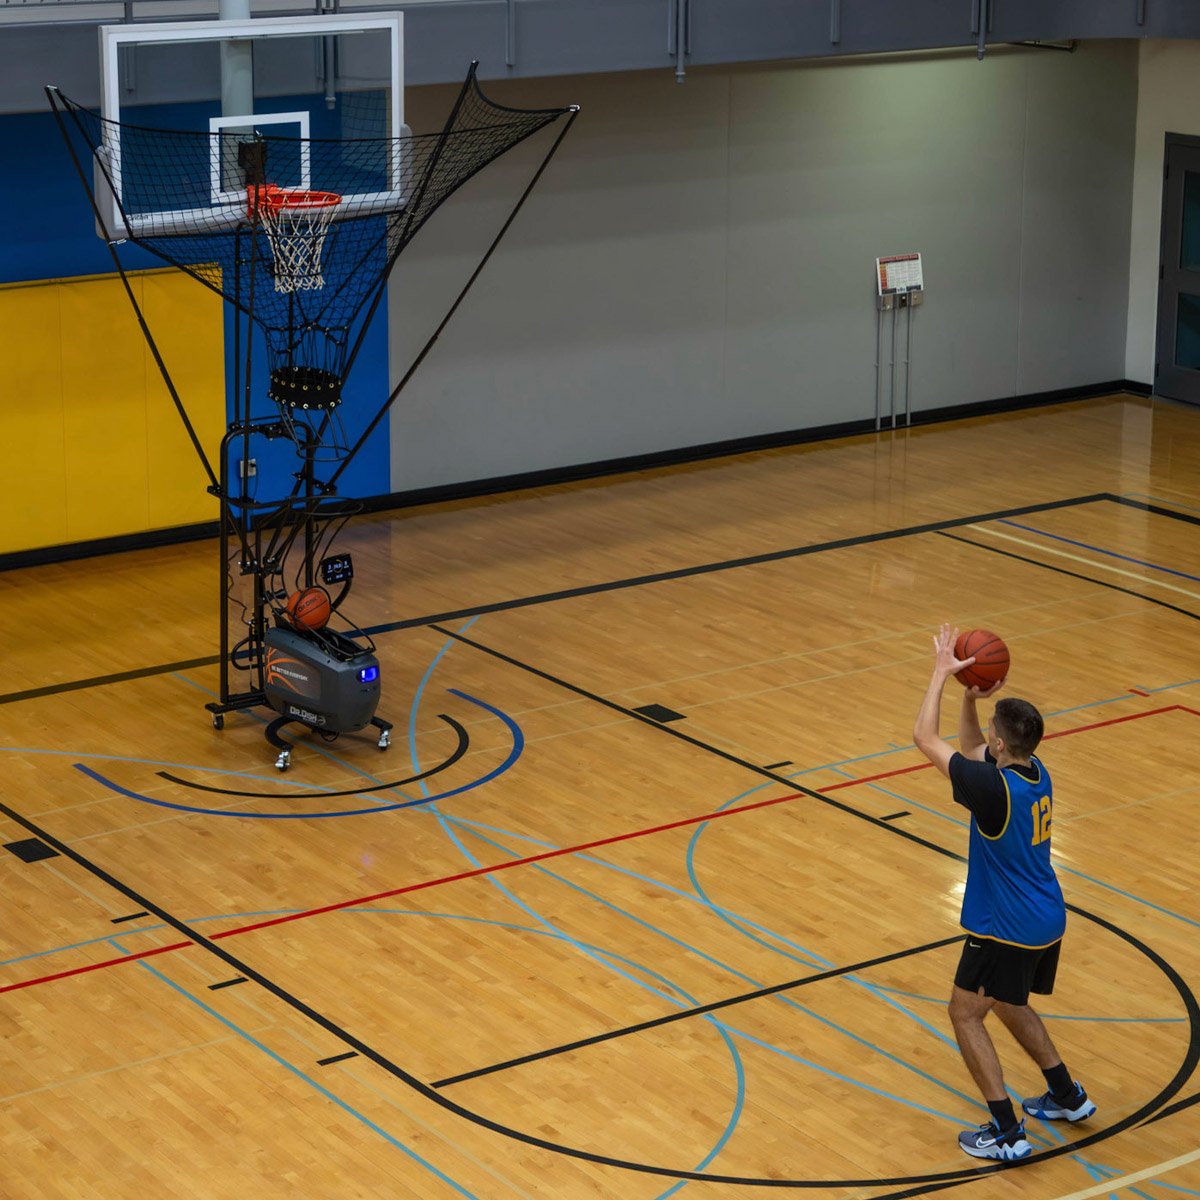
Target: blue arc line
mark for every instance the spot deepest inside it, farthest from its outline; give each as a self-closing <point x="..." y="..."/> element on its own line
<point x="1141" y="562"/>
<point x="518" y="746"/>
<point x="283" y="1062"/>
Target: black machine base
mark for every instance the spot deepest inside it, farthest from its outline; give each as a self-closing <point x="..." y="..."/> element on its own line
<point x="284" y="759"/>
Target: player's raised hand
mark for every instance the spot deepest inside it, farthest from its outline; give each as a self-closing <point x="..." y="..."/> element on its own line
<point x="945" y="662"/>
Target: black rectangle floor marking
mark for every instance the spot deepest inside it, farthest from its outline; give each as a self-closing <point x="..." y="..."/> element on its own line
<point x="660" y="713"/>
<point x="896" y="816"/>
<point x="31" y="850"/>
<point x="325" y="1062"/>
<point x="787" y="762"/>
<point x="214" y="987"/>
<point x="131" y="917"/>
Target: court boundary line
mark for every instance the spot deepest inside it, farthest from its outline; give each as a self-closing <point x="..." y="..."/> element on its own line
<point x="642" y="580"/>
<point x="587" y="590"/>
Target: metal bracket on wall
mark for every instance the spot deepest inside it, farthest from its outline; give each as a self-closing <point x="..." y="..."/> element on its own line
<point x="835" y="22"/>
<point x="981" y="24"/>
<point x="679" y="35"/>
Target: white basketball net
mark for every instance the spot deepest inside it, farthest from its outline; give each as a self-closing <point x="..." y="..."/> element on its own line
<point x="296" y="223"/>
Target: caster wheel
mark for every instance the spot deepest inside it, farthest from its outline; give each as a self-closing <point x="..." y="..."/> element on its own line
<point x="218" y="720"/>
<point x="284" y="760"/>
<point x="385" y="739"/>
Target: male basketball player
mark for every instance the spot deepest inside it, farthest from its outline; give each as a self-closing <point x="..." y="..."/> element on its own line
<point x="1012" y="909"/>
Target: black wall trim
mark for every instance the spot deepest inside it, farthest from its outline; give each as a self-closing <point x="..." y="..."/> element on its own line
<point x="589" y="470"/>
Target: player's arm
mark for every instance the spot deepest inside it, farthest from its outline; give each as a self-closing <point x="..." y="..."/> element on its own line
<point x="971" y="742"/>
<point x="925" y="731"/>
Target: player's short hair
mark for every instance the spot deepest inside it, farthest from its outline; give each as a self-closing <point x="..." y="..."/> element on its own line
<point x="1019" y="724"/>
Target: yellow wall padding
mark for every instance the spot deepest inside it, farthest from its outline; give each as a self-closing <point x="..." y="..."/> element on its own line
<point x="92" y="446"/>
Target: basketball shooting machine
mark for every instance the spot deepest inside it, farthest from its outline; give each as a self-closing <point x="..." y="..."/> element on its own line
<point x="298" y="231"/>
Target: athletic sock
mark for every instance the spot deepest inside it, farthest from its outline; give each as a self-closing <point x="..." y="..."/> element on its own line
<point x="1058" y="1079"/>
<point x="1003" y="1115"/>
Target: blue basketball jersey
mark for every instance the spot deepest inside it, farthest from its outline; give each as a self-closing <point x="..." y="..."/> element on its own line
<point x="1012" y="893"/>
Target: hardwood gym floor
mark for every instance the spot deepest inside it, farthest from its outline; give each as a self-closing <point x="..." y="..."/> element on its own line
<point x="703" y="949"/>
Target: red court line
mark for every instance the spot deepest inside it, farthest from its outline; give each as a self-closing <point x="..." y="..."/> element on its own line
<point x="543" y="857"/>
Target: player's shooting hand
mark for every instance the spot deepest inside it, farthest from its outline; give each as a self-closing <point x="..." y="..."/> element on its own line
<point x="945" y="663"/>
<point x="976" y="694"/>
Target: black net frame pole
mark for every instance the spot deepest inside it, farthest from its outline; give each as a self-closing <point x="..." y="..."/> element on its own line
<point x="437" y="333"/>
<point x="412" y="208"/>
<point x="52" y="96"/>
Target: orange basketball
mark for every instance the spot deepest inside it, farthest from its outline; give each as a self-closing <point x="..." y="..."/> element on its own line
<point x="991" y="658"/>
<point x="309" y="609"/>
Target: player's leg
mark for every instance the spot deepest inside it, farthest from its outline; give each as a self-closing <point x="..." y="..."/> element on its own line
<point x="970" y="1002"/>
<point x="1065" y="1098"/>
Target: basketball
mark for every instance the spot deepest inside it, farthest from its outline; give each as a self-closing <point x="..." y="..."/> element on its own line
<point x="991" y="658"/>
<point x="309" y="609"/>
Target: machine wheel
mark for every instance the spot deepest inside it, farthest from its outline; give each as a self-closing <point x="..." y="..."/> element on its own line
<point x="284" y="760"/>
<point x="218" y="720"/>
<point x="385" y="739"/>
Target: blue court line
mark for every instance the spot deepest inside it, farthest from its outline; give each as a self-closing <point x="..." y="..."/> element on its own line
<point x="324" y="1091"/>
<point x="518" y="746"/>
<point x="740" y="1086"/>
<point x="1141" y="562"/>
<point x="296" y="1070"/>
<point x="758" y="983"/>
<point x="158" y="762"/>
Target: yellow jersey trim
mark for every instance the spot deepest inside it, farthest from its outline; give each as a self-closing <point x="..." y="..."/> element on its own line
<point x="1007" y="814"/>
<point x="987" y="937"/>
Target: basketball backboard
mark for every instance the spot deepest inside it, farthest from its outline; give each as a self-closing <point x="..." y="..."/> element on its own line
<point x="249" y="100"/>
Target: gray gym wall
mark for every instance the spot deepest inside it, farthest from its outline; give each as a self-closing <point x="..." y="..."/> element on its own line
<point x="696" y="264"/>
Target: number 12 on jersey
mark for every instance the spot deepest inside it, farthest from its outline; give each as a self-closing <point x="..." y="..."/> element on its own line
<point x="1040" y="812"/>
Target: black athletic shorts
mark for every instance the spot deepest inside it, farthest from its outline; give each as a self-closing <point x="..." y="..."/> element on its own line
<point x="1006" y="973"/>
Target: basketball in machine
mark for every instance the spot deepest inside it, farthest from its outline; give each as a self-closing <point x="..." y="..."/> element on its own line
<point x="291" y="194"/>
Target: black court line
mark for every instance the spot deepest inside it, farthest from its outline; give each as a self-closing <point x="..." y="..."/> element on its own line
<point x="593" y="589"/>
<point x="687" y="1013"/>
<point x="337" y="1058"/>
<point x="1172" y="1109"/>
<point x="459" y="750"/>
<point x="76" y="685"/>
<point x="131" y="917"/>
<point x="634" y="715"/>
<point x="787" y="762"/>
<point x="943" y="1179"/>
<point x="1034" y="562"/>
<point x="216" y="987"/>
<point x="896" y="816"/>
<point x="1157" y="509"/>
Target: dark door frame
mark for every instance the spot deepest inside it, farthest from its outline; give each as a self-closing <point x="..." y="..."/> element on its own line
<point x="1170" y="380"/>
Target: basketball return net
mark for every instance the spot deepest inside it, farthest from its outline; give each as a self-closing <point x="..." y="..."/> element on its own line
<point x="303" y="269"/>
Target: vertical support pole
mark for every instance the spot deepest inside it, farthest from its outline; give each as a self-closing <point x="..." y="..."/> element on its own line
<point x="878" y="364"/>
<point x="510" y="34"/>
<point x="908" y="305"/>
<point x="1141" y="12"/>
<point x="682" y="13"/>
<point x="237" y="63"/>
<point x="835" y="22"/>
<point x="892" y="393"/>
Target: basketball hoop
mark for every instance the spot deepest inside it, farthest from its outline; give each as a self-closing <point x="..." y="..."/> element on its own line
<point x="296" y="222"/>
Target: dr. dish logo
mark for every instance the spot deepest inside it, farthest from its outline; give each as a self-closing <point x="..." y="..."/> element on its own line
<point x="302" y="714"/>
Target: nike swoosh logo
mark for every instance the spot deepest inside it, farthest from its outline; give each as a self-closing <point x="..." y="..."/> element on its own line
<point x="974" y="945"/>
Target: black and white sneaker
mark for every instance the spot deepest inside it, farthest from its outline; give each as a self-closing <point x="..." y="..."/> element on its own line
<point x="988" y="1142"/>
<point x="1077" y="1108"/>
